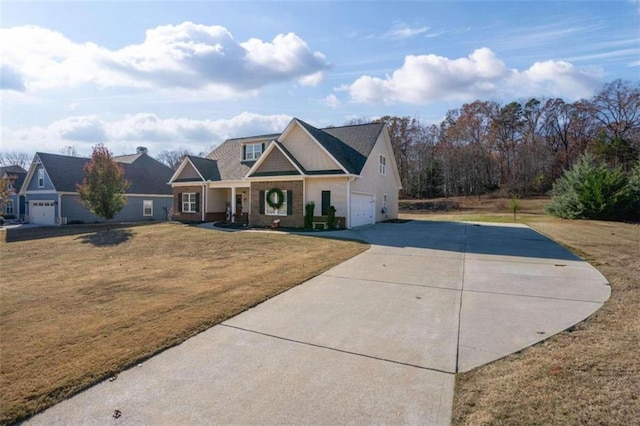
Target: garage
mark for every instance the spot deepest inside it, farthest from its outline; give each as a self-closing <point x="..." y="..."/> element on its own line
<point x="42" y="212"/>
<point x="362" y="209"/>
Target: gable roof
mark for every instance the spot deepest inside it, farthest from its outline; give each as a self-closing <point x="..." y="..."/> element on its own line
<point x="349" y="145"/>
<point x="207" y="168"/>
<point x="298" y="169"/>
<point x="17" y="172"/>
<point x="64" y="171"/>
<point x="146" y="175"/>
<point x="12" y="169"/>
<point x="229" y="156"/>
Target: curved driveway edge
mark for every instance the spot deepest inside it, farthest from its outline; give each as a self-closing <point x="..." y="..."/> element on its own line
<point x="376" y="339"/>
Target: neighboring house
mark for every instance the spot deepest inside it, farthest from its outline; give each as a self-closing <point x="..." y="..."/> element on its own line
<point x="351" y="168"/>
<point x="52" y="198"/>
<point x="13" y="206"/>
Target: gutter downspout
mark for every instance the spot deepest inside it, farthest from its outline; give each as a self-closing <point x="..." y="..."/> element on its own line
<point x="204" y="201"/>
<point x="59" y="208"/>
<point x="349" y="180"/>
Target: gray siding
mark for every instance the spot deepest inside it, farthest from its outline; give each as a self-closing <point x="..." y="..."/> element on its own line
<point x="33" y="185"/>
<point x="41" y="197"/>
<point x="16" y="205"/>
<point x="73" y="210"/>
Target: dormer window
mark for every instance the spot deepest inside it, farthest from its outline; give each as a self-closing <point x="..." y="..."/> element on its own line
<point x="252" y="151"/>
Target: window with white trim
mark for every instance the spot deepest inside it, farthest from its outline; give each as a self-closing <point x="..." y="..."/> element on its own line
<point x="280" y="211"/>
<point x="253" y="151"/>
<point x="383" y="165"/>
<point x="8" y="207"/>
<point x="40" y="178"/>
<point x="189" y="202"/>
<point x="147" y="208"/>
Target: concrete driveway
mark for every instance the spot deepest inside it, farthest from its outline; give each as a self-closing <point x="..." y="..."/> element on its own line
<point x="377" y="339"/>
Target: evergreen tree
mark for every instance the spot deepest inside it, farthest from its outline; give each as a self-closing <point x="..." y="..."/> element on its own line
<point x="592" y="191"/>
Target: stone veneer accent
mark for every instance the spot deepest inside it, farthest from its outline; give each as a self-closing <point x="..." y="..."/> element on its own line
<point x="295" y="220"/>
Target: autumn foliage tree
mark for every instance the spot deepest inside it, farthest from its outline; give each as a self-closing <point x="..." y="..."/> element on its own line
<point x="104" y="184"/>
<point x="518" y="148"/>
<point x="6" y="188"/>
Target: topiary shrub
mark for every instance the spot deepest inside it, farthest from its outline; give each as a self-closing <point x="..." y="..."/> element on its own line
<point x="592" y="191"/>
<point x="308" y="214"/>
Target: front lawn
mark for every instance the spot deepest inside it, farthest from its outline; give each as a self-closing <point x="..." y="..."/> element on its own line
<point x="76" y="309"/>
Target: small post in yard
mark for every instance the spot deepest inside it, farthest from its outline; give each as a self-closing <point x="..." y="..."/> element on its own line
<point x="514" y="205"/>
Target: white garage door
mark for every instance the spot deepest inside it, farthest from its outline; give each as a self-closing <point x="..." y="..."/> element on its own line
<point x="42" y="212"/>
<point x="362" y="210"/>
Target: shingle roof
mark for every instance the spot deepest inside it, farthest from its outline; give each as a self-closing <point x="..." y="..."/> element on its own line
<point x="147" y="176"/>
<point x="349" y="145"/>
<point x="63" y="170"/>
<point x="229" y="153"/>
<point x="127" y="159"/>
<point x="361" y="137"/>
<point x="12" y="169"/>
<point x="18" y="174"/>
<point x="206" y="167"/>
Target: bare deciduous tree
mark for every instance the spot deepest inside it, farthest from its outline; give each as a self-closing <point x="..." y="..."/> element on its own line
<point x="14" y="158"/>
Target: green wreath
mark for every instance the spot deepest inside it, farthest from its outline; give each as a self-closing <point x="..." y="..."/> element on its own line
<point x="279" y="198"/>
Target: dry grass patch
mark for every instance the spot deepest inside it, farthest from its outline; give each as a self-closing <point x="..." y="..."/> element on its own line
<point x="588" y="375"/>
<point x="78" y="308"/>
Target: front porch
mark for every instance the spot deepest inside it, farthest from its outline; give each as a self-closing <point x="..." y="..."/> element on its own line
<point x="212" y="202"/>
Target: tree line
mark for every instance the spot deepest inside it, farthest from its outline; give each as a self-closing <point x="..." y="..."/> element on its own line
<point x="515" y="149"/>
<point x="518" y="148"/>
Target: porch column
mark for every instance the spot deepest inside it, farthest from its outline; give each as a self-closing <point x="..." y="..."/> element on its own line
<point x="233" y="204"/>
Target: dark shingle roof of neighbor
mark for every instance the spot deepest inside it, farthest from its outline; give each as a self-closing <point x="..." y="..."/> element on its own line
<point x="19" y="174"/>
<point x="349" y="145"/>
<point x="146" y="175"/>
<point x="12" y="169"/>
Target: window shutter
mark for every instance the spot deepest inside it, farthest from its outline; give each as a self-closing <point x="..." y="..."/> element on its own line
<point x="244" y="152"/>
<point x="261" y="202"/>
<point x="263" y="144"/>
<point x="326" y="202"/>
<point x="180" y="202"/>
<point x="197" y="202"/>
<point x="289" y="202"/>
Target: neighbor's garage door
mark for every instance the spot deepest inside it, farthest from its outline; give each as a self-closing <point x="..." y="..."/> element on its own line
<point x="362" y="209"/>
<point x="42" y="212"/>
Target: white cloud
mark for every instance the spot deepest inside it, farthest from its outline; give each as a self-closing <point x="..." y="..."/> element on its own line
<point x="430" y="78"/>
<point x="312" y="79"/>
<point x="187" y="56"/>
<point x="125" y="134"/>
<point x="87" y="129"/>
<point x="332" y="101"/>
<point x="402" y="32"/>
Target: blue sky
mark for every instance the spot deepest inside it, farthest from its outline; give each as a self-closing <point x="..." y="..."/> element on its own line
<point x="191" y="74"/>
